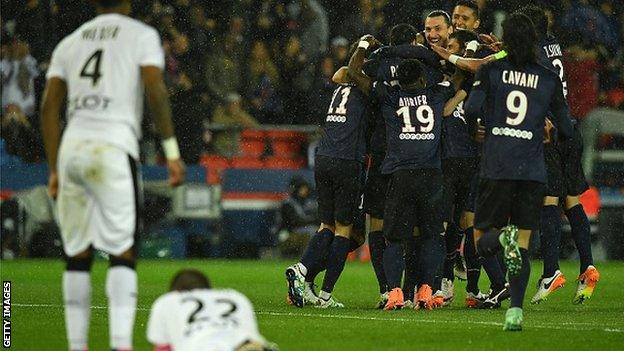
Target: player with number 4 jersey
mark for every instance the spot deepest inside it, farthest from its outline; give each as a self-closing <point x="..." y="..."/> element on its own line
<point x="102" y="71"/>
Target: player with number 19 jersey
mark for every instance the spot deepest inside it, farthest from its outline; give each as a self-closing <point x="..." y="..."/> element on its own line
<point x="100" y="62"/>
<point x="202" y="320"/>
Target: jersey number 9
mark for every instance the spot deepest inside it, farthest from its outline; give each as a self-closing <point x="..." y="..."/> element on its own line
<point x="517" y="105"/>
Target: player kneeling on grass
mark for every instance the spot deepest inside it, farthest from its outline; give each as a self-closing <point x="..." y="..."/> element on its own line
<point x="194" y="317"/>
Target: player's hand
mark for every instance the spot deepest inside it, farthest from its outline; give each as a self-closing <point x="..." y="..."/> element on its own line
<point x="53" y="184"/>
<point x="442" y="52"/>
<point x="491" y="41"/>
<point x="177" y="172"/>
<point x="548" y="127"/>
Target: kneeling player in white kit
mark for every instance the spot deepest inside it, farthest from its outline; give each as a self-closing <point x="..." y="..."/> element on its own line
<point x="194" y="317"/>
<point x="103" y="68"/>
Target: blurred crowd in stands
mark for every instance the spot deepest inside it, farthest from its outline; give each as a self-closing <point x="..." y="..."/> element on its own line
<point x="248" y="63"/>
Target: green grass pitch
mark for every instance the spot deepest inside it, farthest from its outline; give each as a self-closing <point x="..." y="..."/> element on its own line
<point x="38" y="322"/>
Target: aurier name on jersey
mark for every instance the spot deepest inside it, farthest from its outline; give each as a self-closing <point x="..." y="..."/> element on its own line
<point x="513" y="103"/>
<point x="413" y="125"/>
<point x="344" y="132"/>
<point x="100" y="63"/>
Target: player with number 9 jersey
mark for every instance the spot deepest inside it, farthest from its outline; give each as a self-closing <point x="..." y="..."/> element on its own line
<point x="100" y="62"/>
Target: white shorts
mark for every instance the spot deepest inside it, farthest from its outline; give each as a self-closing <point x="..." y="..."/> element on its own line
<point x="99" y="197"/>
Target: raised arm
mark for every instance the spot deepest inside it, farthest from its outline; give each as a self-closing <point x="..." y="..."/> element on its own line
<point x="467" y="64"/>
<point x="361" y="80"/>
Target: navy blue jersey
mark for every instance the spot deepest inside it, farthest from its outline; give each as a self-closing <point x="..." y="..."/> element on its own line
<point x="345" y="125"/>
<point x="382" y="66"/>
<point x="512" y="103"/>
<point x="383" y="63"/>
<point x="413" y="125"/>
<point x="457" y="140"/>
<point x="550" y="56"/>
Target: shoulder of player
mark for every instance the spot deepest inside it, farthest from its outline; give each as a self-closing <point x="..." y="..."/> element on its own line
<point x="164" y="300"/>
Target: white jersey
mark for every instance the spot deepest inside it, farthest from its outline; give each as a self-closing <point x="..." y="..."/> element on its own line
<point x="202" y="320"/>
<point x="100" y="63"/>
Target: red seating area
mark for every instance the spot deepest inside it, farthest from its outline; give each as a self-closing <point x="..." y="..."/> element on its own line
<point x="271" y="149"/>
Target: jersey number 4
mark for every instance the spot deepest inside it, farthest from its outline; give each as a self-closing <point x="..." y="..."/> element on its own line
<point x="91" y="68"/>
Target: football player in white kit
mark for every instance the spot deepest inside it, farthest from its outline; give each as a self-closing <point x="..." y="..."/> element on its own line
<point x="103" y="68"/>
<point x="194" y="317"/>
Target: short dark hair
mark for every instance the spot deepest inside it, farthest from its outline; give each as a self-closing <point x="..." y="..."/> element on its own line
<point x="471" y="4"/>
<point x="189" y="279"/>
<point x="402" y="33"/>
<point x="538" y="16"/>
<point x="442" y="13"/>
<point x="108" y="3"/>
<point x="409" y="71"/>
<point x="519" y="39"/>
<point x="463" y="36"/>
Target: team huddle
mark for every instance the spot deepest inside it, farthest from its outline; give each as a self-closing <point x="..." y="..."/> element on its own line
<point x="451" y="139"/>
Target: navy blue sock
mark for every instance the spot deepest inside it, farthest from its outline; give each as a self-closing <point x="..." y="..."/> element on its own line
<point x="518" y="283"/>
<point x="581" y="235"/>
<point x="316" y="252"/>
<point x="338" y="252"/>
<point x="488" y="244"/>
<point x="473" y="266"/>
<point x="492" y="268"/>
<point x="451" y="238"/>
<point x="431" y="257"/>
<point x="411" y="268"/>
<point x="393" y="264"/>
<point x="550" y="236"/>
<point x="377" y="245"/>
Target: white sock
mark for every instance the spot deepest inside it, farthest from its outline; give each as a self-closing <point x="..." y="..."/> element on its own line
<point x="324" y="295"/>
<point x="121" y="290"/>
<point x="303" y="269"/>
<point x="77" y="299"/>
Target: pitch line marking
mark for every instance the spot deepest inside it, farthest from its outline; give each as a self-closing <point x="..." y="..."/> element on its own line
<point x="385" y="319"/>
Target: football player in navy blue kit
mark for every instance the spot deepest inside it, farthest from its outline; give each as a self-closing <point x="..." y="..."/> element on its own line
<point x="338" y="167"/>
<point x="513" y="97"/>
<point x="413" y="114"/>
<point x="565" y="180"/>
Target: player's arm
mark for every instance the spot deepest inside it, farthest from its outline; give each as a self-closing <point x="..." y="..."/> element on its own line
<point x="157" y="331"/>
<point x="341" y="76"/>
<point x="158" y="101"/>
<point x="473" y="108"/>
<point x="561" y="113"/>
<point x="467" y="64"/>
<point x="361" y="80"/>
<point x="452" y="103"/>
<point x="53" y="99"/>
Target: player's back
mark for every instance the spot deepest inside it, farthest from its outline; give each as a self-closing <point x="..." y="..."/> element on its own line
<point x="344" y="131"/>
<point x="549" y="55"/>
<point x="413" y="125"/>
<point x="202" y="320"/>
<point x="518" y="100"/>
<point x="100" y="63"/>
